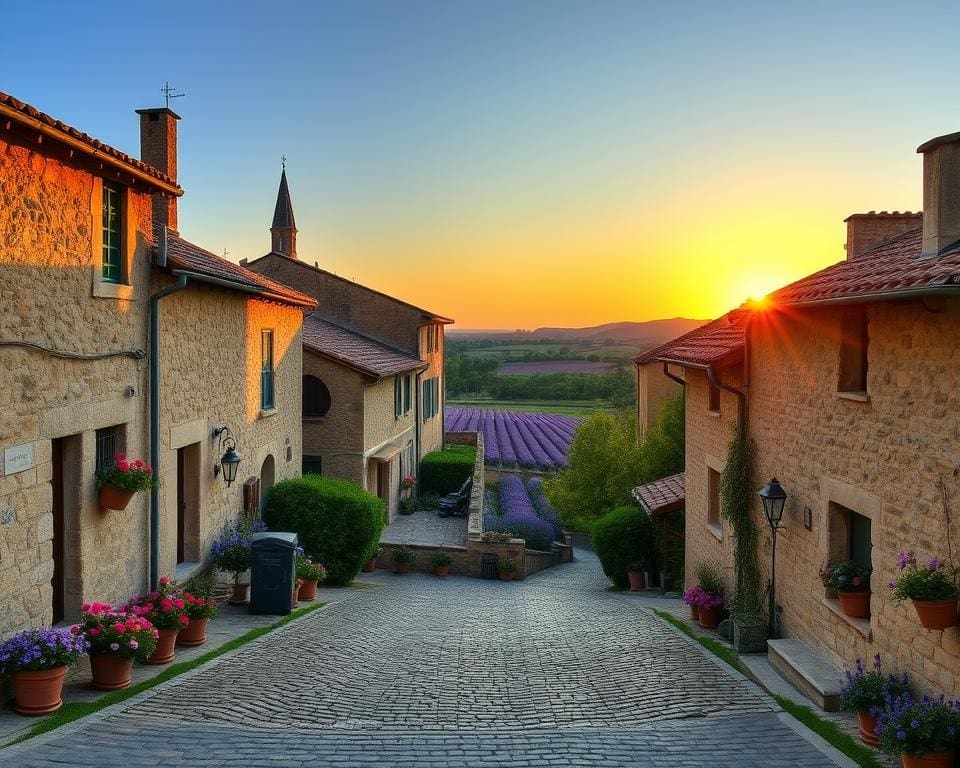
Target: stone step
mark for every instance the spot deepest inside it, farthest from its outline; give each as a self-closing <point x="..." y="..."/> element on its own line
<point x="808" y="671"/>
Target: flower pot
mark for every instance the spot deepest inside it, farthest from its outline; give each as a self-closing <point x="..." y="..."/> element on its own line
<point x="114" y="498"/>
<point x="929" y="760"/>
<point x="441" y="570"/>
<point x="638" y="580"/>
<point x="195" y="633"/>
<point x="506" y="575"/>
<point x="937" y="614"/>
<point x="238" y="595"/>
<point x="401" y="567"/>
<point x="165" y="650"/>
<point x="868" y="728"/>
<point x="307" y="590"/>
<point x="855" y="604"/>
<point x="38" y="692"/>
<point x="695" y="612"/>
<point x="111" y="672"/>
<point x="710" y="617"/>
<point x="370" y="565"/>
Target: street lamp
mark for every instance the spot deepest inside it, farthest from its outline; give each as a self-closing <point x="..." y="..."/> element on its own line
<point x="230" y="459"/>
<point x="773" y="497"/>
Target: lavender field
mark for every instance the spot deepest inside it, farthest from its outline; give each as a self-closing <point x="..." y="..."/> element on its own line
<point x="538" y="441"/>
<point x="522" y="510"/>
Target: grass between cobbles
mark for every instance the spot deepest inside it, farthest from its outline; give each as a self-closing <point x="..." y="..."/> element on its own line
<point x="827" y="730"/>
<point x="76" y="710"/>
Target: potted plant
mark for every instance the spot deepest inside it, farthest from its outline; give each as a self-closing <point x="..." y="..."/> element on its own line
<point x="231" y="554"/>
<point x="851" y="581"/>
<point x="710" y="602"/>
<point x="370" y="565"/>
<point x="441" y="563"/>
<point x="933" y="590"/>
<point x="36" y="660"/>
<point x="402" y="557"/>
<point x="118" y="483"/>
<point x="309" y="575"/>
<point x="865" y="692"/>
<point x="636" y="575"/>
<point x="165" y="609"/>
<point x="199" y="609"/>
<point x="924" y="733"/>
<point x="116" y="637"/>
<point x="507" y="567"/>
<point x="407" y="483"/>
<point x="692" y="597"/>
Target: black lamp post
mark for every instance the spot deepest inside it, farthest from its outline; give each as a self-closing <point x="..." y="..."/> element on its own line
<point x="230" y="459"/>
<point x="773" y="497"/>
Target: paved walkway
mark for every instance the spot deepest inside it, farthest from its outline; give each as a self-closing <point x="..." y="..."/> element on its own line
<point x="419" y="671"/>
<point x="426" y="527"/>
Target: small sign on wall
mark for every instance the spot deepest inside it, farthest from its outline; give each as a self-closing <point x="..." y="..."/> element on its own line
<point x="17" y="459"/>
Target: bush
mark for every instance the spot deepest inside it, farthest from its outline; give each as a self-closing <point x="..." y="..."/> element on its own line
<point x="445" y="471"/>
<point x="623" y="537"/>
<point x="338" y="523"/>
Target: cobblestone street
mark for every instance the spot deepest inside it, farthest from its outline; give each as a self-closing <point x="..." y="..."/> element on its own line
<point x="422" y="671"/>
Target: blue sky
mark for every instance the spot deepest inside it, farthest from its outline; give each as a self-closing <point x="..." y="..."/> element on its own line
<point x="516" y="164"/>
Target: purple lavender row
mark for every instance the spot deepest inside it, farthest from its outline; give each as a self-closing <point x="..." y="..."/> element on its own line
<point x="542" y="505"/>
<point x="491" y="445"/>
<point x="508" y="456"/>
<point x="518" y="515"/>
<point x="556" y="456"/>
<point x="540" y="456"/>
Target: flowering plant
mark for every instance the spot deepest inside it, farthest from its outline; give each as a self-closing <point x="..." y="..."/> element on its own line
<point x="231" y="549"/>
<point x="865" y="691"/>
<point x="408" y="482"/>
<point x="164" y="607"/>
<point x="507" y="564"/>
<point x="442" y="558"/>
<point x="115" y="631"/>
<point x="935" y="582"/>
<point x="127" y="475"/>
<point x="199" y="606"/>
<point x="307" y="570"/>
<point x="911" y="727"/>
<point x="403" y="555"/>
<point x="694" y="595"/>
<point x="848" y="576"/>
<point x="36" y="649"/>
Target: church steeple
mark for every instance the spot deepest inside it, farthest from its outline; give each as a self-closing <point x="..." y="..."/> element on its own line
<point x="283" y="232"/>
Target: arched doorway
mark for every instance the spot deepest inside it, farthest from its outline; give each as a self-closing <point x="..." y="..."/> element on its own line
<point x="267" y="476"/>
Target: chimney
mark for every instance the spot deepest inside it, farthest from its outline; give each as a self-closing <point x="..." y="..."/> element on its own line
<point x="158" y="147"/>
<point x="941" y="193"/>
<point x="865" y="230"/>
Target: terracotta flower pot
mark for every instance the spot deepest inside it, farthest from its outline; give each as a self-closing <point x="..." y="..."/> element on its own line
<point x="238" y="594"/>
<point x="307" y="590"/>
<point x="370" y="565"/>
<point x="709" y="617"/>
<point x="441" y="570"/>
<point x="929" y="760"/>
<point x="110" y="671"/>
<point x="195" y="633"/>
<point x="114" y="498"/>
<point x="38" y="692"/>
<point x="868" y="728"/>
<point x="638" y="580"/>
<point x="695" y="612"/>
<point x="401" y="567"/>
<point x="166" y="649"/>
<point x="855" y="604"/>
<point x="506" y="575"/>
<point x="937" y="614"/>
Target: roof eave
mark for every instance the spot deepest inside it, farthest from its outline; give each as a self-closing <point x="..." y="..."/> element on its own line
<point x="732" y="359"/>
<point x="875" y="296"/>
<point x="376" y="375"/>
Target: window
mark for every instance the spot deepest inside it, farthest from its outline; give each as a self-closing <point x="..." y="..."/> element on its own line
<point x="854" y="341"/>
<point x="402" y="396"/>
<point x="714" y="405"/>
<point x="266" y="370"/>
<point x="431" y="398"/>
<point x="407" y="393"/>
<point x="714" y="522"/>
<point x="850" y="536"/>
<point x="316" y="398"/>
<point x="109" y="444"/>
<point x="432" y="341"/>
<point x="112" y="260"/>
<point x="312" y="465"/>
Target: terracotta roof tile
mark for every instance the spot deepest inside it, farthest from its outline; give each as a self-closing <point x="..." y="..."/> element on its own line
<point x="661" y="496"/>
<point x="356" y="350"/>
<point x="708" y="344"/>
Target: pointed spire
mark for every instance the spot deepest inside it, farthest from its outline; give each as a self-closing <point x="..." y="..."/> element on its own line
<point x="283" y="232"/>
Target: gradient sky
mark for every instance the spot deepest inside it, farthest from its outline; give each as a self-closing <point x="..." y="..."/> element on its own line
<point x="517" y="164"/>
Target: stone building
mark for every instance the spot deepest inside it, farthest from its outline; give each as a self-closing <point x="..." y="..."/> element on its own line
<point x="372" y="370"/>
<point x="89" y="242"/>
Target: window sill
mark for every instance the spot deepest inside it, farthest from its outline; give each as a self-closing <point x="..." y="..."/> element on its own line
<point x="119" y="291"/>
<point x="860" y="625"/>
<point x="858" y="397"/>
<point x="310" y="419"/>
<point x="716" y="531"/>
<point x="713" y="413"/>
<point x="267" y="412"/>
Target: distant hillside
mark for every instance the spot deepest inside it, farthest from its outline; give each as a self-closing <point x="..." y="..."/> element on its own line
<point x="649" y="333"/>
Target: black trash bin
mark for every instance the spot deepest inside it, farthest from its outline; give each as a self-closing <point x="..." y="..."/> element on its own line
<point x="273" y="572"/>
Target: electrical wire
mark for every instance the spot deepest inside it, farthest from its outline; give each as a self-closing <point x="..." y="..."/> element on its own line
<point x="136" y="354"/>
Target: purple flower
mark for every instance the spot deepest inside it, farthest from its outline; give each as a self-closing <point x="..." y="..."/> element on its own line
<point x="934" y="564"/>
<point x="904" y="559"/>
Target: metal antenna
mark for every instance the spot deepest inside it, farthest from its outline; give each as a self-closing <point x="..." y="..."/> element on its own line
<point x="283" y="161"/>
<point x="168" y="93"/>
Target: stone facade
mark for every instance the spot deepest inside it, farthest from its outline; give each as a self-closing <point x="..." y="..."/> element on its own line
<point x="653" y="388"/>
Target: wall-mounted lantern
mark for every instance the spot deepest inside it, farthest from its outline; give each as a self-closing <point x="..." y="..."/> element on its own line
<point x="773" y="497"/>
<point x="229" y="459"/>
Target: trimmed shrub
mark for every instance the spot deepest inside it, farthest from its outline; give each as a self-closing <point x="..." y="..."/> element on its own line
<point x="445" y="471"/>
<point x="338" y="523"/>
<point x="623" y="537"/>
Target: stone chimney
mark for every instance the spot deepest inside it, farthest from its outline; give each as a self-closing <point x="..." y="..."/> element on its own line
<point x="865" y="230"/>
<point x="158" y="147"/>
<point x="941" y="193"/>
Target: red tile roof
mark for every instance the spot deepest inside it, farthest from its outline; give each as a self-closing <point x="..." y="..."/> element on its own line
<point x="23" y="112"/>
<point x="662" y="496"/>
<point x="712" y="343"/>
<point x="891" y="267"/>
<point x="184" y="255"/>
<point x="356" y="350"/>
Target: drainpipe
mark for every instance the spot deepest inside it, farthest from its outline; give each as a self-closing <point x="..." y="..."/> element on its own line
<point x="155" y="406"/>
<point x="741" y="399"/>
<point x="666" y="372"/>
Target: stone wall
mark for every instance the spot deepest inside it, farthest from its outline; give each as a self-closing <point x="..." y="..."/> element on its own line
<point x="653" y="388"/>
<point x="432" y="430"/>
<point x="337" y="438"/>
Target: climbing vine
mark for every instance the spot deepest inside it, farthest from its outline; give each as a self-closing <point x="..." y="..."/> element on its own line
<point x="736" y="493"/>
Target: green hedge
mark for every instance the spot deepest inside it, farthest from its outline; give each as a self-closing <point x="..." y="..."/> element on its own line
<point x="623" y="537"/>
<point x="444" y="471"/>
<point x="338" y="523"/>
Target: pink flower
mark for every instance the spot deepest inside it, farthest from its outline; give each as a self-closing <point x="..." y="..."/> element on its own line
<point x="114" y="646"/>
<point x="156" y="634"/>
<point x="138" y="464"/>
<point x="179" y="603"/>
<point x="164" y="579"/>
<point x="119" y="628"/>
<point x="166" y="605"/>
<point x="74" y="630"/>
<point x="123" y="465"/>
<point x="134" y="644"/>
<point x="856" y="581"/>
<point x="148" y="469"/>
<point x="154" y="595"/>
<point x="94" y="632"/>
<point x="184" y="619"/>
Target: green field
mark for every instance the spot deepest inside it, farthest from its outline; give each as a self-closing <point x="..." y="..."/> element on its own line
<point x="574" y="349"/>
<point x="579" y="408"/>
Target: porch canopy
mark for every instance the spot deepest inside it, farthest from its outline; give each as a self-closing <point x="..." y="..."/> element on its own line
<point x="659" y="499"/>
